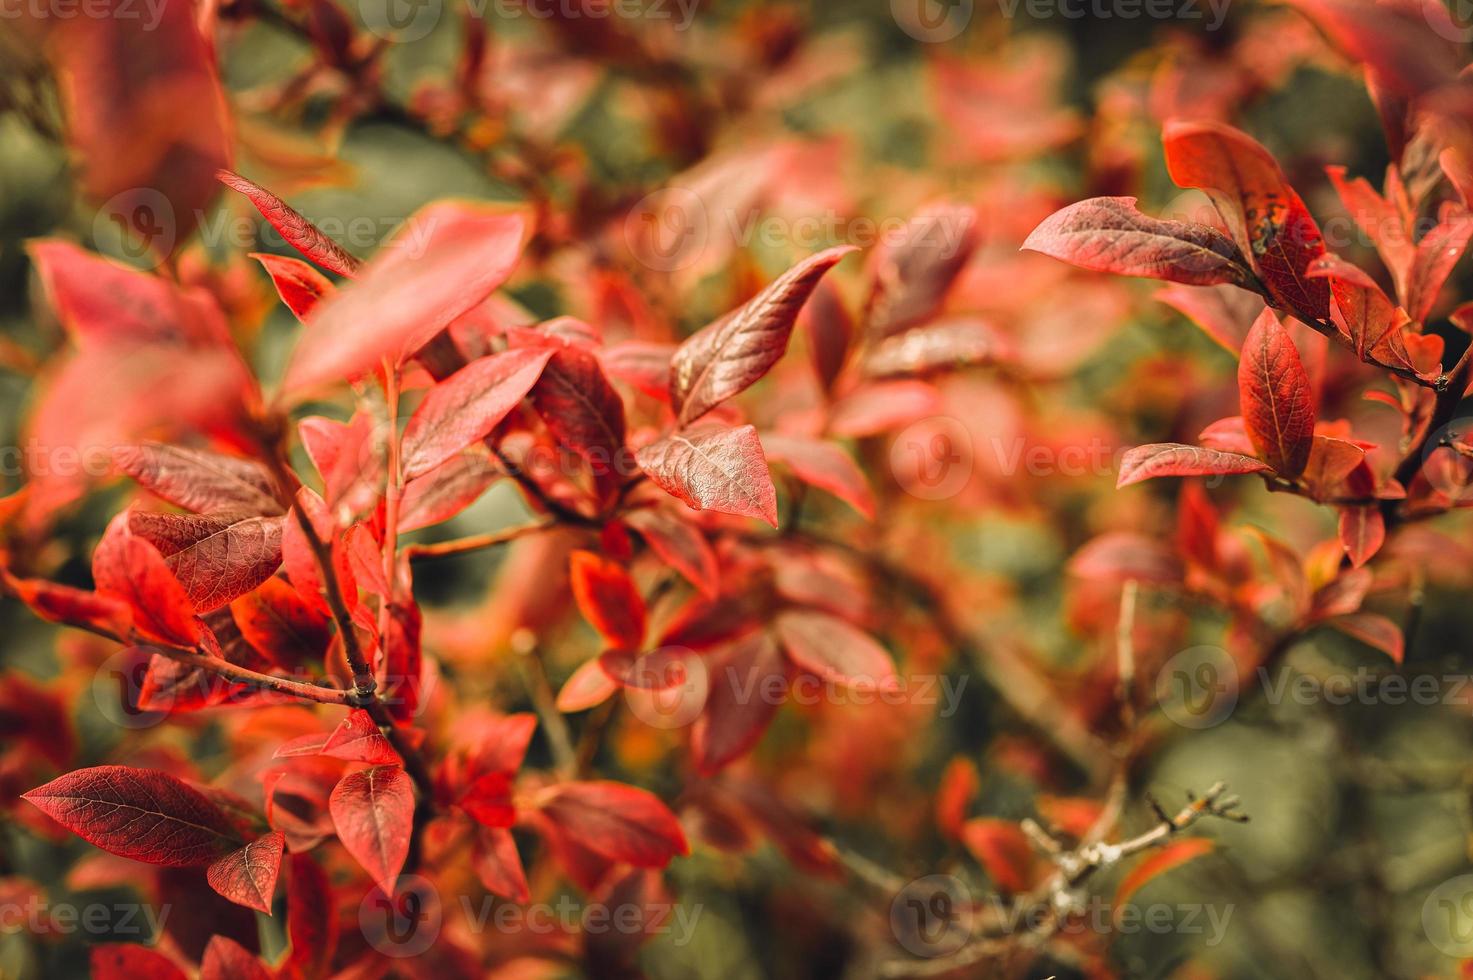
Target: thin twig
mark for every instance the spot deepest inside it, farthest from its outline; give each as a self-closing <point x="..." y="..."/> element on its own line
<point x="475" y="542"/>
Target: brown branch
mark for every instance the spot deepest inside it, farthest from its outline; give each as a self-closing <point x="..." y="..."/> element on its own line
<point x="475" y="542"/>
<point x="1049" y="904"/>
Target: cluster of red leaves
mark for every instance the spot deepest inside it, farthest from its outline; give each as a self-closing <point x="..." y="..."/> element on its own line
<point x="242" y="576"/>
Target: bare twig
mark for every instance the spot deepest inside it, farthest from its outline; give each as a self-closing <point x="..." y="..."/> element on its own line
<point x="475" y="542"/>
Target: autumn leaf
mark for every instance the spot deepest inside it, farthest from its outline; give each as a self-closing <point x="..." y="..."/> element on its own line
<point x="1267" y="219"/>
<point x="833" y="649"/>
<point x="823" y="465"/>
<point x="300" y="233"/>
<point x="1173" y="855"/>
<point x="1174" y="459"/>
<point x="247" y="876"/>
<point x="1108" y="234"/>
<point x="299" y="285"/>
<point x="619" y="822"/>
<point x="466" y="406"/>
<point x="373" y="811"/>
<point x="714" y="468"/>
<point x="740" y="702"/>
<point x="216" y="557"/>
<point x="608" y="599"/>
<point x="444" y="260"/>
<point x="199" y="480"/>
<point x="141" y="814"/>
<point x="730" y="355"/>
<point x="1273" y="386"/>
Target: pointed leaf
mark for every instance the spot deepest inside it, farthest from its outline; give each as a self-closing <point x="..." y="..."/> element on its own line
<point x="226" y="959"/>
<point x="679" y="544"/>
<point x="248" y="876"/>
<point x="358" y="739"/>
<point x="1273" y="386"/>
<point x="823" y="465"/>
<point x="198" y="480"/>
<point x="834" y="650"/>
<point x="1108" y="234"/>
<point x="1173" y="855"/>
<point x="130" y="568"/>
<point x="216" y="557"/>
<point x="1174" y="459"/>
<point x="466" y="406"/>
<point x="747" y="686"/>
<point x="608" y="599"/>
<point x="300" y="233"/>
<point x="141" y="814"/>
<point x="728" y="356"/>
<point x="713" y="468"/>
<point x="299" y="285"/>
<point x="620" y="822"/>
<point x="373" y="812"/>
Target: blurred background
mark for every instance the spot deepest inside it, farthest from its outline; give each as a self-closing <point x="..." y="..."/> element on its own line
<point x="791" y="127"/>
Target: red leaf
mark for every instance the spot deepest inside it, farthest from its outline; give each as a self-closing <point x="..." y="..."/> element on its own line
<point x="728" y="356"/>
<point x="830" y="329"/>
<point x="201" y="481"/>
<point x="488" y="800"/>
<point x="446" y="490"/>
<point x="1274" y="390"/>
<point x="226" y="959"/>
<point x="443" y="261"/>
<point x="298" y="284"/>
<point x="248" y="876"/>
<point x="58" y="603"/>
<point x="881" y="406"/>
<point x="1173" y="855"/>
<point x="216" y="557"/>
<point x="584" y="413"/>
<point x="1108" y="234"/>
<point x="912" y="273"/>
<point x="643" y="364"/>
<point x="358" y="739"/>
<point x="141" y="814"/>
<point x="1002" y="849"/>
<point x="311" y="917"/>
<point x="281" y="625"/>
<point x="823" y="465"/>
<point x="300" y="233"/>
<point x="466" y="406"/>
<point x="960" y="784"/>
<point x="1267" y="219"/>
<point x="1364" y="315"/>
<point x="1225" y="313"/>
<point x="746" y="689"/>
<point x="125" y="961"/>
<point x="1362" y="532"/>
<point x="130" y="568"/>
<point x="1378" y="218"/>
<point x="712" y="468"/>
<point x="301" y="563"/>
<point x="499" y="866"/>
<point x="1374" y="630"/>
<point x="608" y="599"/>
<point x="834" y="650"/>
<point x="948" y="344"/>
<point x="1437" y="253"/>
<point x="680" y="545"/>
<point x="373" y="812"/>
<point x="1174" y="459"/>
<point x="589" y="685"/>
<point x="619" y="822"/>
